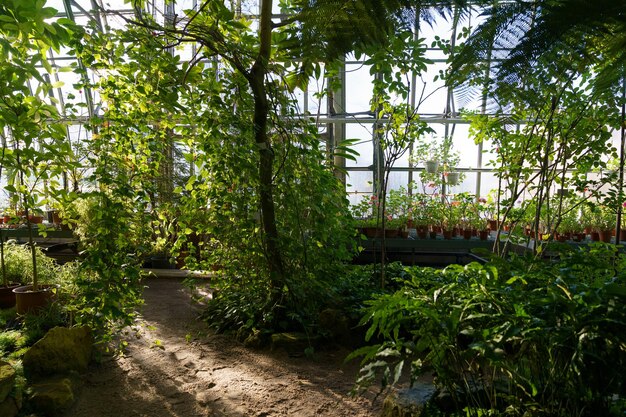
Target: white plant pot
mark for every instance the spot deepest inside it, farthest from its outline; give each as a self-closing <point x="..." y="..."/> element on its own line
<point x="453" y="178"/>
<point x="431" y="166"/>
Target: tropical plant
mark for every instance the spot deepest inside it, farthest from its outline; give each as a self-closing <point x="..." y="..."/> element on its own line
<point x="512" y="337"/>
<point x="603" y="218"/>
<point x="535" y="32"/>
<point x="33" y="139"/>
<point x="549" y="149"/>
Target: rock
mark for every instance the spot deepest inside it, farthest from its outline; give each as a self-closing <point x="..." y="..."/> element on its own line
<point x="7" y="380"/>
<point x="9" y="407"/>
<point x="408" y="402"/>
<point x="291" y="342"/>
<point x="335" y="323"/>
<point x="61" y="350"/>
<point x="255" y="340"/>
<point x="53" y="396"/>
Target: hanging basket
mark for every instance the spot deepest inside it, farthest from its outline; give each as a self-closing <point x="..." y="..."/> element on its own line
<point x="431" y="166"/>
<point x="453" y="178"/>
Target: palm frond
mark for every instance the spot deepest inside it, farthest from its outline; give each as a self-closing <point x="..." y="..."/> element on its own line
<point x="520" y="36"/>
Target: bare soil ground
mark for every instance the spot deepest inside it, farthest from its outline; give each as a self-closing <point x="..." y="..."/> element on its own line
<point x="175" y="367"/>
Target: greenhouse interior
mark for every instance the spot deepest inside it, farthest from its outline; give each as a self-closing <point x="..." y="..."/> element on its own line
<point x="312" y="208"/>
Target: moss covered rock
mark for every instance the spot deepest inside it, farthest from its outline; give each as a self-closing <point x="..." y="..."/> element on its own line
<point x="292" y="342"/>
<point x="62" y="350"/>
<point x="408" y="402"/>
<point x="53" y="396"/>
<point x="7" y="379"/>
<point x="9" y="407"/>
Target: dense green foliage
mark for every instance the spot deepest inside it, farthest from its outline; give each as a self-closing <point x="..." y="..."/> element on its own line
<point x="523" y="337"/>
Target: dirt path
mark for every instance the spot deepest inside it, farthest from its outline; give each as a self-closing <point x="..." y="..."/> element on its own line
<point x="173" y="368"/>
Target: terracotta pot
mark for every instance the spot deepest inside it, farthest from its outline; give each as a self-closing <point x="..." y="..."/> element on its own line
<point x="467" y="234"/>
<point x="622" y="235"/>
<point x="483" y="234"/>
<point x="29" y="301"/>
<point x="35" y="219"/>
<point x="595" y="236"/>
<point x="7" y="296"/>
<point x="404" y="234"/>
<point x="432" y="234"/>
<point x="606" y="235"/>
<point x="180" y="259"/>
<point x="422" y="233"/>
<point x="371" y="231"/>
<point x="392" y="233"/>
<point x="447" y="234"/>
<point x="493" y="225"/>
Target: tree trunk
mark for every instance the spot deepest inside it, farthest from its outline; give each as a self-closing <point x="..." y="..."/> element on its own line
<point x="256" y="80"/>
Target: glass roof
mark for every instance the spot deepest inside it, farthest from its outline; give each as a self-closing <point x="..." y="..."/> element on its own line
<point x="440" y="106"/>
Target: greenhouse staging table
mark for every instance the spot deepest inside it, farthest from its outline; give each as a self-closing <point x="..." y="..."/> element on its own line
<point x="178" y="273"/>
<point x="58" y="244"/>
<point x="427" y="252"/>
<point x="441" y="252"/>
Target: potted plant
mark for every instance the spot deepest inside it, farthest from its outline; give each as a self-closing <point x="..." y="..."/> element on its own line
<point x="603" y="222"/>
<point x="19" y="269"/>
<point x="365" y="213"/>
<point x="7" y="296"/>
<point x="419" y="213"/>
<point x="395" y="226"/>
<point x="35" y="216"/>
<point x="451" y="216"/>
<point x="440" y="160"/>
<point x="427" y="152"/>
<point x="452" y="178"/>
<point x="431" y="166"/>
<point x="22" y="184"/>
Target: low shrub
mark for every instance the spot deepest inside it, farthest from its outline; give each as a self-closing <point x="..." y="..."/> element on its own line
<point x="523" y="337"/>
<point x="18" y="264"/>
<point x="246" y="309"/>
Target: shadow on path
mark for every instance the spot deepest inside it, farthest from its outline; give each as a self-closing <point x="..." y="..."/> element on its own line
<point x="175" y="367"/>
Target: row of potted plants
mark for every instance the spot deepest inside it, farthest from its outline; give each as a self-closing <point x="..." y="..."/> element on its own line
<point x="425" y="213"/>
<point x="15" y="218"/>
<point x="575" y="218"/>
